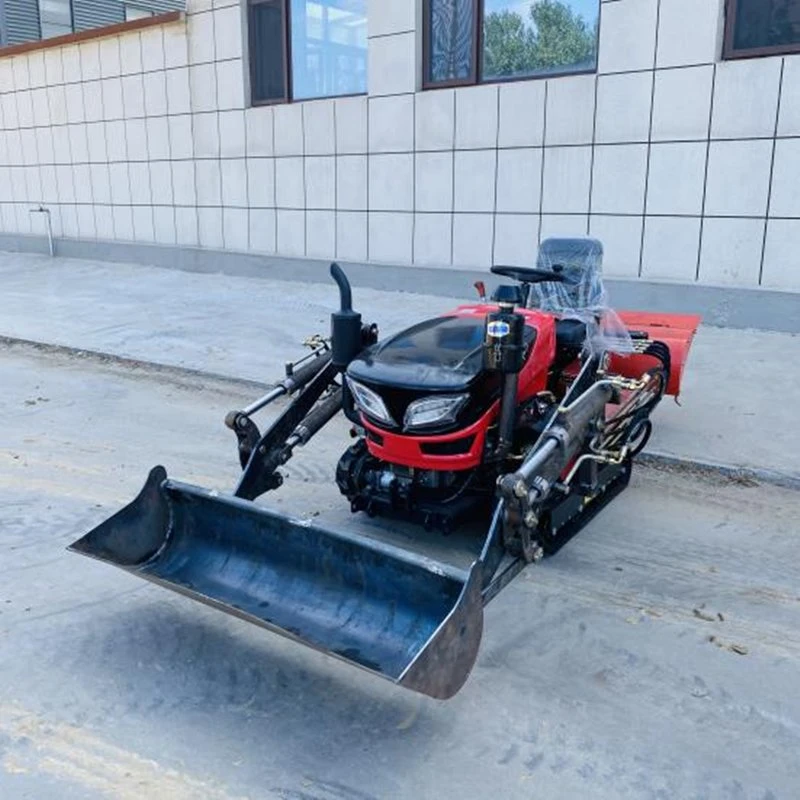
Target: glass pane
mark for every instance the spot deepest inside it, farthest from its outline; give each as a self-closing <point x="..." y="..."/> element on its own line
<point x="766" y="23"/>
<point x="266" y="50"/>
<point x="135" y="12"/>
<point x="329" y="48"/>
<point x="538" y="37"/>
<point x="451" y="29"/>
<point x="56" y="13"/>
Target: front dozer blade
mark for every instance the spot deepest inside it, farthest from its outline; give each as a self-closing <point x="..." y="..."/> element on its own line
<point x="393" y="612"/>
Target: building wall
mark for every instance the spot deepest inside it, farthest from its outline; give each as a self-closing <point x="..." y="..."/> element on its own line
<point x="685" y="166"/>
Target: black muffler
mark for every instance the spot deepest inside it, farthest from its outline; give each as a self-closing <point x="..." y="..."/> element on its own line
<point x="407" y="618"/>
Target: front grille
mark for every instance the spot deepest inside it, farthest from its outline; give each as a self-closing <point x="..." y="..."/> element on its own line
<point x="459" y="447"/>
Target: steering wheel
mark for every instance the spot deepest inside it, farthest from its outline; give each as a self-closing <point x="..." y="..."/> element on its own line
<point x="531" y="274"/>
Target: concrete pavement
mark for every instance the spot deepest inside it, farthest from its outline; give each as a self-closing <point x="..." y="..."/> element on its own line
<point x="741" y="390"/>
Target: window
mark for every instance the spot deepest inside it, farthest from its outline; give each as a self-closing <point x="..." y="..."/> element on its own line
<point x="136" y="12"/>
<point x="303" y="49"/>
<point x="761" y="27"/>
<point x="55" y="18"/>
<point x="471" y="41"/>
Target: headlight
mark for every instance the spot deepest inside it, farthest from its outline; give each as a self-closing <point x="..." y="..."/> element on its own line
<point x="370" y="402"/>
<point x="434" y="411"/>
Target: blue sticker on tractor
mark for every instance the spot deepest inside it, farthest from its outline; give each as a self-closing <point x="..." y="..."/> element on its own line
<point x="498" y="329"/>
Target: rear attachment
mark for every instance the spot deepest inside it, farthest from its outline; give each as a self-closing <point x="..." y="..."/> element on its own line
<point x="394" y="613"/>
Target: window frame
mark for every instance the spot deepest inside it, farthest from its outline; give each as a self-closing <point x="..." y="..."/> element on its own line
<point x="731" y="53"/>
<point x="288" y="81"/>
<point x="71" y="21"/>
<point x="475" y="78"/>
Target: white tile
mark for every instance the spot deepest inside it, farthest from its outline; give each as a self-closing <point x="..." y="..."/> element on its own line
<point x="476" y="117"/>
<point x="14" y="142"/>
<point x="110" y="63"/>
<point x="164" y="225"/>
<point x="351" y="183"/>
<point x="208" y="182"/>
<point x="53" y="68"/>
<point x="567" y="174"/>
<point x="730" y="253"/>
<point x="71" y="64"/>
<point x="391" y="182"/>
<point x="186" y="226"/>
<point x="628" y="35"/>
<point x="522" y="114"/>
<point x="682" y="103"/>
<point x="519" y="180"/>
<point x="161" y="182"/>
<point x="262" y="230"/>
<point x="33" y="181"/>
<point x="152" y="49"/>
<point x="209" y="225"/>
<point x="321" y="239"/>
<point x="89" y="55"/>
<point x="433" y="239"/>
<point x="391" y="237"/>
<point x="789" y="118"/>
<point x="746" y="98"/>
<point x="231" y="134"/>
<point x="133" y="96"/>
<point x="320" y="174"/>
<point x="392" y="64"/>
<point x="78" y="143"/>
<point x="104" y="223"/>
<point x="69" y="221"/>
<point x="236" y="228"/>
<point x="29" y="155"/>
<point x="200" y="32"/>
<point x="688" y="32"/>
<point x="351" y="125"/>
<point x="619" y="179"/>
<point x="570" y="110"/>
<point x="83" y="183"/>
<point x="351" y="235"/>
<point x="178" y="92"/>
<point x="671" y="247"/>
<point x="96" y="139"/>
<point x="434" y="182"/>
<point x="136" y="139"/>
<point x="435" y="120"/>
<point x="181" y="140"/>
<point x="25" y="109"/>
<point x="676" y="178"/>
<point x="623" y="107"/>
<point x="475" y="180"/>
<point x="391" y="124"/>
<point x="738" y="178"/>
<point x="158" y="138"/>
<point x="9" y="110"/>
<point x="261" y="182"/>
<point x="101" y="183"/>
<point x="139" y="176"/>
<point x="234" y="182"/>
<point x="202" y="80"/>
<point x="390" y="16"/>
<point x="205" y="130"/>
<point x="563" y="226"/>
<point x="41" y="111"/>
<point x="319" y="128"/>
<point x="86" y="227"/>
<point x="288" y="129"/>
<point x="230" y="84"/>
<point x="258" y="127"/>
<point x="49" y="185"/>
<point x="36" y="69"/>
<point x="44" y="145"/>
<point x="120" y="184"/>
<point x="515" y="240"/>
<point x="781" y="267"/>
<point x="622" y="243"/>
<point x="123" y="223"/>
<point x="228" y="32"/>
<point x="183" y="185"/>
<point x="111" y="89"/>
<point x="785" y="196"/>
<point x="155" y="94"/>
<point x="289" y="183"/>
<point x="473" y="239"/>
<point x="130" y="53"/>
<point x="115" y="141"/>
<point x="291" y="233"/>
<point x="74" y="98"/>
<point x="176" y="50"/>
<point x="19" y="66"/>
<point x="93" y="101"/>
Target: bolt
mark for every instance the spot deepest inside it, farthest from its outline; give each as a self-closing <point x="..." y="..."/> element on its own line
<point x="520" y="489"/>
<point x="531" y="520"/>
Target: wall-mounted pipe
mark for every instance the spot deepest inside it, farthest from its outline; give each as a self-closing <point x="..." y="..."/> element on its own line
<point x="46" y="212"/>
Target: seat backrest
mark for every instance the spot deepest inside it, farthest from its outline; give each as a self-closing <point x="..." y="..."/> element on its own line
<point x="581" y="263"/>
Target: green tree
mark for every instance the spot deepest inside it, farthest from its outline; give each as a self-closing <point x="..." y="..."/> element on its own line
<point x="554" y="37"/>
